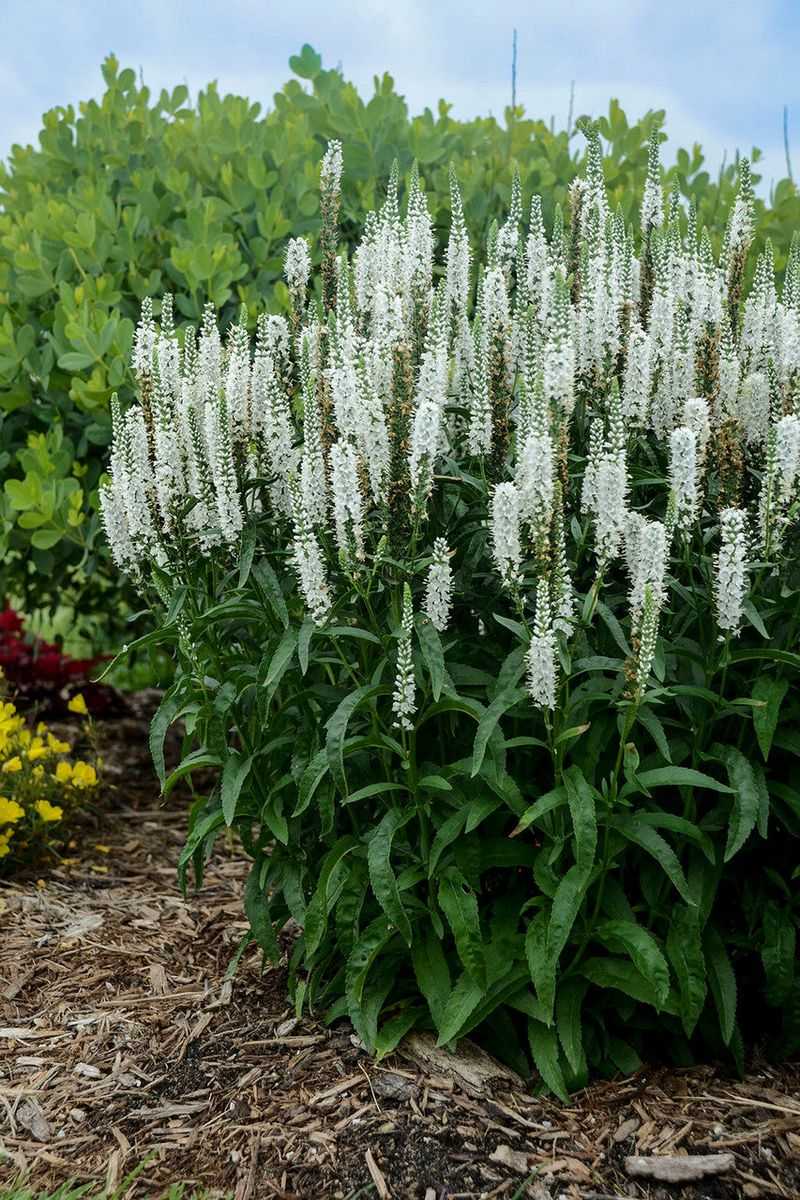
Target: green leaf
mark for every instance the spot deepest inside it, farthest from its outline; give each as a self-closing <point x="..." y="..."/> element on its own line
<point x="446" y="834"/>
<point x="432" y="973"/>
<point x="316" y="919"/>
<point x="621" y="974"/>
<point x="642" y="835"/>
<point x="198" y="758"/>
<point x="337" y="729"/>
<point x="165" y="714"/>
<point x="392" y="1032"/>
<point x="234" y="773"/>
<point x="459" y="904"/>
<point x="778" y="946"/>
<point x="747" y="797"/>
<point x="45" y="539"/>
<point x="373" y="789"/>
<point x="580" y="798"/>
<point x="721" y="981"/>
<point x="569" y="1000"/>
<point x="771" y="691"/>
<point x="381" y="875"/>
<point x="543" y="1041"/>
<point x="257" y="912"/>
<point x="430" y="645"/>
<point x="685" y="950"/>
<point x="374" y="938"/>
<point x="270" y="590"/>
<point x="465" y="997"/>
<point x="304" y="643"/>
<point x="676" y="777"/>
<point x="488" y="723"/>
<point x="644" y="952"/>
<point x="545" y="804"/>
<point x="282" y="657"/>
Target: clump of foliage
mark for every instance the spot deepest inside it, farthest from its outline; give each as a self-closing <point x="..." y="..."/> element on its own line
<point x="138" y="194"/>
<point x="484" y="592"/>
<point x="42" y="787"/>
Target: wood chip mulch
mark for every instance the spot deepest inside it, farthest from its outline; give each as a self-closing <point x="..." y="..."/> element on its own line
<point x="120" y="1037"/>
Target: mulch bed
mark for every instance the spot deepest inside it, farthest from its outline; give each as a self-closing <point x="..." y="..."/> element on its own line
<point x="121" y="1037"/>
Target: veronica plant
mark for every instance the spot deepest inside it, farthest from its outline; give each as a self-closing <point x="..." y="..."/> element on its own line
<point x="481" y="572"/>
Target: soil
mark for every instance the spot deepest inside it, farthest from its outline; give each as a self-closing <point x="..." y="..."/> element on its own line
<point x="121" y="1039"/>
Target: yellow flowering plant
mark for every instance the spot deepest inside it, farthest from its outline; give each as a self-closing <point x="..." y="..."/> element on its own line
<point x="41" y="787"/>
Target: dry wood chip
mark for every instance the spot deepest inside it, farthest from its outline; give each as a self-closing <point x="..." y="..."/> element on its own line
<point x="678" y="1168"/>
<point x="30" y="1116"/>
<point x="87" y="1070"/>
<point x="343" y="1086"/>
<point x="515" y="1160"/>
<point x="625" y="1130"/>
<point x="377" y="1176"/>
<point x="158" y="979"/>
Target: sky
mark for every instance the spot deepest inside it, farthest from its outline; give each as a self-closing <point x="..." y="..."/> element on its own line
<point x="722" y="69"/>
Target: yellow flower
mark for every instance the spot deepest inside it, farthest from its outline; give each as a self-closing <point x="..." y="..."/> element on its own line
<point x="78" y="705"/>
<point x="11" y="765"/>
<point x="56" y="746"/>
<point x="63" y="772"/>
<point x="10" y="812"/>
<point x="83" y="775"/>
<point x="38" y="772"/>
<point x="41" y="729"/>
<point x="24" y="738"/>
<point x="48" y="811"/>
<point x="37" y="749"/>
<point x="5" y="849"/>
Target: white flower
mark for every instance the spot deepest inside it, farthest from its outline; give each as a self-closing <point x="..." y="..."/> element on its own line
<point x="330" y="171"/>
<point x="731" y="569"/>
<point x="787" y="454"/>
<point x="297" y="268"/>
<point x="506" y="549"/>
<point x="144" y="341"/>
<point x="535" y="483"/>
<point x="638" y="377"/>
<point x="683" y="475"/>
<point x="439" y="586"/>
<point x="646" y="560"/>
<point x="308" y="560"/>
<point x="540" y="659"/>
<point x="348" y="504"/>
<point x="404" y="696"/>
<point x="611" y="492"/>
<point x="696" y="416"/>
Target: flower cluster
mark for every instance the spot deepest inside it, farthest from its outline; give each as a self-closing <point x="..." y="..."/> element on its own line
<point x="560" y="374"/>
<point x="40" y="785"/>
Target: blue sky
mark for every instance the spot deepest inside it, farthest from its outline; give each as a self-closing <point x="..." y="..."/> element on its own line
<point x="723" y="69"/>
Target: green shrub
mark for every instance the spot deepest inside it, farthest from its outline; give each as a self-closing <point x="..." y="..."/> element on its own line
<point x="135" y="195"/>
<point x="486" y="620"/>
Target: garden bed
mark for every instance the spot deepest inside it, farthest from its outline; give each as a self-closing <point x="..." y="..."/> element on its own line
<point x="122" y="1038"/>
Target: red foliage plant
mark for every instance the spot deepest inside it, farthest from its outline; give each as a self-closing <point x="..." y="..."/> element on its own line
<point x="41" y="675"/>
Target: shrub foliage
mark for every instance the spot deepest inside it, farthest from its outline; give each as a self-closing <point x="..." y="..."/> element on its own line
<point x="138" y="194"/>
<point x="485" y="600"/>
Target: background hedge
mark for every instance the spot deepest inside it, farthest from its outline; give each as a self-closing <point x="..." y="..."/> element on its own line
<point x="135" y="195"/>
